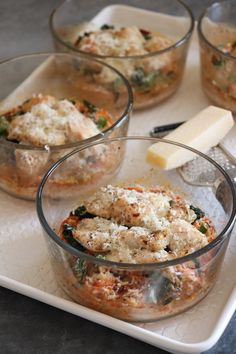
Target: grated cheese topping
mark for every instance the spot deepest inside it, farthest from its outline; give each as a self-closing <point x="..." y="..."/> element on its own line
<point x="124" y="41"/>
<point x="130" y="207"/>
<point x="51" y="122"/>
<point x="139" y="225"/>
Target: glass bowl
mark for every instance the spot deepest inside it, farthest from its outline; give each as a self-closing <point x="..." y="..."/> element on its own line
<point x="147" y="291"/>
<point x="217" y="34"/>
<point x="63" y="76"/>
<point x="157" y="72"/>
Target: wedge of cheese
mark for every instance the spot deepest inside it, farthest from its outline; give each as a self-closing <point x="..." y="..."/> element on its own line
<point x="202" y="132"/>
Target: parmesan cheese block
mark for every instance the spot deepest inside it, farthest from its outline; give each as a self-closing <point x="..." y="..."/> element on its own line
<point x="202" y="132"/>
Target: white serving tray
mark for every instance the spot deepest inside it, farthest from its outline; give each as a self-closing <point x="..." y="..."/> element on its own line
<point x="25" y="266"/>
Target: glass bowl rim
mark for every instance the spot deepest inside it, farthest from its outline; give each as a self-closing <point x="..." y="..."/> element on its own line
<point x="203" y="37"/>
<point x="129" y="266"/>
<point x="177" y="44"/>
<point x="125" y="114"/>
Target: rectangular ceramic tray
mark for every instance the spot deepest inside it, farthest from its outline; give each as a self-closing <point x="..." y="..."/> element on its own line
<point x="25" y="266"/>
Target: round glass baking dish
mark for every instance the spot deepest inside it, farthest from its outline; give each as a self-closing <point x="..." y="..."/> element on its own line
<point x="155" y="75"/>
<point x="217" y="33"/>
<point x="139" y="292"/>
<point x="61" y="75"/>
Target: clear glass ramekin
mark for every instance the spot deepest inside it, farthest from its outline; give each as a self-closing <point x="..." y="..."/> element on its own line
<point x="217" y="34"/>
<point x="138" y="292"/>
<point x="150" y="83"/>
<point x="64" y="76"/>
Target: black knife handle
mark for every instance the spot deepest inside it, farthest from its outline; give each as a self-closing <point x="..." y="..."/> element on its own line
<point x="159" y="132"/>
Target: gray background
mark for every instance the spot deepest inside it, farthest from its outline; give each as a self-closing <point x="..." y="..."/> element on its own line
<point x="28" y="326"/>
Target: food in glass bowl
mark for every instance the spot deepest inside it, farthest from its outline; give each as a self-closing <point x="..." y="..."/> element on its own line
<point x="148" y="76"/>
<point x="140" y="44"/>
<point x="135" y="225"/>
<point x="49" y="107"/>
<point x="131" y="248"/>
<point x="217" y="36"/>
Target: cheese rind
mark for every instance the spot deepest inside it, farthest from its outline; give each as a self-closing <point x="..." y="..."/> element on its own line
<point x="203" y="131"/>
